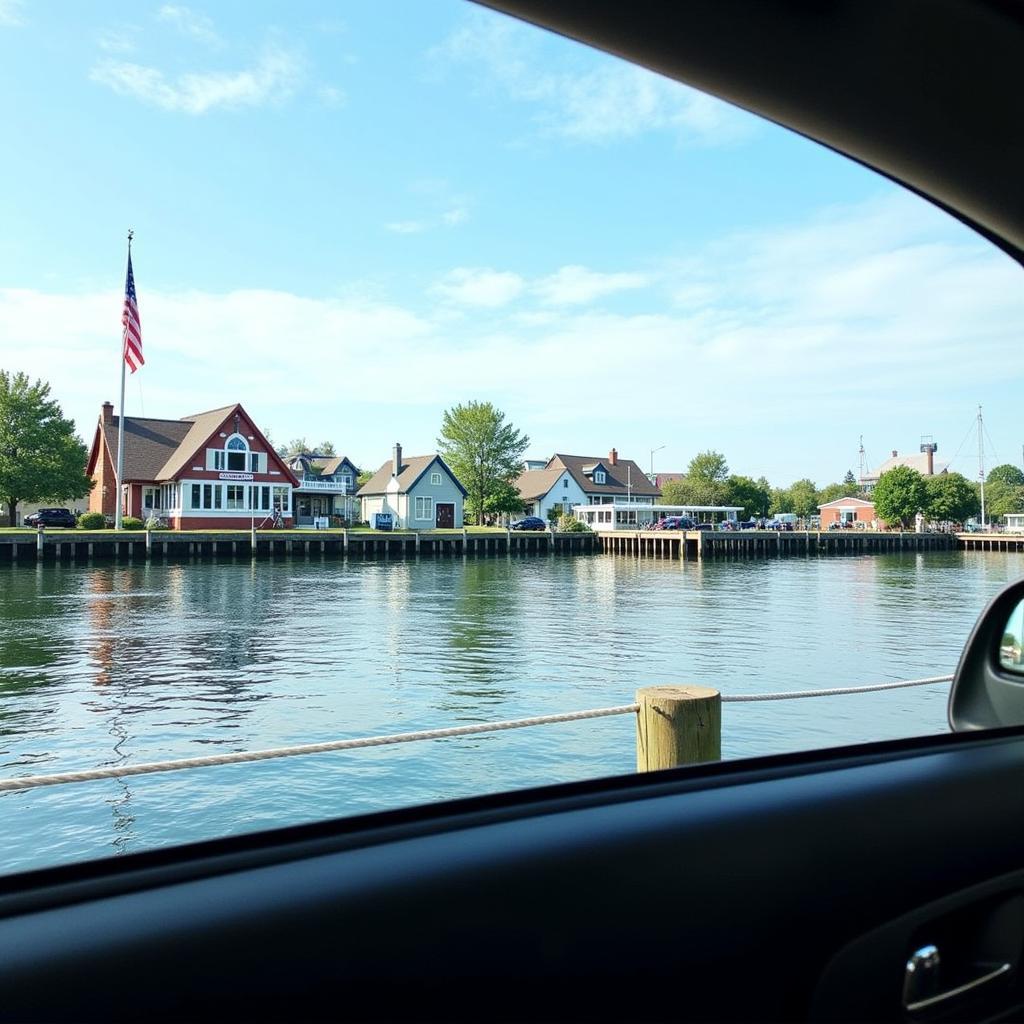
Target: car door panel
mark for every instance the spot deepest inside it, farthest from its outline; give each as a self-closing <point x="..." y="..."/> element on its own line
<point x="718" y="894"/>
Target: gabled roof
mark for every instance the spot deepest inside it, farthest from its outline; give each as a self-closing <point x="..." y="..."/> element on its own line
<point x="535" y="483"/>
<point x="412" y="468"/>
<point x="160" y="449"/>
<point x="330" y="466"/>
<point x="624" y="477"/>
<point x="203" y="424"/>
<point x="847" y="502"/>
<point x="148" y="444"/>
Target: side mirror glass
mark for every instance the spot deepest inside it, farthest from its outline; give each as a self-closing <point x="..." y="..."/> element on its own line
<point x="988" y="687"/>
<point x="1011" y="647"/>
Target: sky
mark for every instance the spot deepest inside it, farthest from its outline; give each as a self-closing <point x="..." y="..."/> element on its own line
<point x="350" y="216"/>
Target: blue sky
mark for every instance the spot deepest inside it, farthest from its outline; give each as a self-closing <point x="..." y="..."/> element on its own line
<point x="350" y="216"/>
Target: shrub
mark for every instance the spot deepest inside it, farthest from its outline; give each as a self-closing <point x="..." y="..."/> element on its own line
<point x="570" y="524"/>
<point x="152" y="523"/>
<point x="92" y="521"/>
<point x="131" y="523"/>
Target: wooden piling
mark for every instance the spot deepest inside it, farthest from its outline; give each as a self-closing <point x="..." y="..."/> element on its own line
<point x="677" y="725"/>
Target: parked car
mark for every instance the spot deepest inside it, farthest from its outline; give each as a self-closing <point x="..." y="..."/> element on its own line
<point x="704" y="526"/>
<point x="750" y="524"/>
<point x="529" y="523"/>
<point x="52" y="517"/>
<point x="676" y="523"/>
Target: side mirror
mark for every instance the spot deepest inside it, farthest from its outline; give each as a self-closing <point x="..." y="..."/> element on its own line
<point x="988" y="687"/>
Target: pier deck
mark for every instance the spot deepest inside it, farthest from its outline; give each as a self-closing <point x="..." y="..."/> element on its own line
<point x="703" y="544"/>
<point x="85" y="545"/>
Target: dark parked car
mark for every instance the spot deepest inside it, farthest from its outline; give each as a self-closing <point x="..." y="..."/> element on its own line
<point x="704" y="526"/>
<point x="749" y="524"/>
<point x="52" y="517"/>
<point x="529" y="523"/>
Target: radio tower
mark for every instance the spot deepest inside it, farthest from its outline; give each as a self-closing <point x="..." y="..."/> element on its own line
<point x="863" y="462"/>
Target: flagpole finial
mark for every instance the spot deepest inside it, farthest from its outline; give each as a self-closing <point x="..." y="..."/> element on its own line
<point x="131" y="235"/>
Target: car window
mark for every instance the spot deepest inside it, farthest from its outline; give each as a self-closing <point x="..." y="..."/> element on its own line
<point x="431" y="317"/>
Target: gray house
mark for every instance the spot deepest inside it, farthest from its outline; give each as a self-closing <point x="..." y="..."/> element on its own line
<point x="327" y="487"/>
<point x="419" y="491"/>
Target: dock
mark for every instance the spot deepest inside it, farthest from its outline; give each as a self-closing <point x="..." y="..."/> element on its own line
<point x="698" y="545"/>
<point x="990" y="541"/>
<point x="167" y="545"/>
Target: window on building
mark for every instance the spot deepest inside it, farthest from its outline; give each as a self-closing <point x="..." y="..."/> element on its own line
<point x="237" y="452"/>
<point x="424" y="508"/>
<point x="254" y="462"/>
<point x="236" y="496"/>
<point x="282" y="499"/>
<point x="435" y="479"/>
<point x="265" y="499"/>
<point x="599" y="476"/>
<point x="565" y="482"/>
<point x="196" y="491"/>
<point x="149" y="497"/>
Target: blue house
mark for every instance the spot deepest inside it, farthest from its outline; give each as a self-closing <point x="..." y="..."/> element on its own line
<point x="419" y="491"/>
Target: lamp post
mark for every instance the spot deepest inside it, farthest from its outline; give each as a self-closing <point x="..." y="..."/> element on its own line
<point x="653" y="450"/>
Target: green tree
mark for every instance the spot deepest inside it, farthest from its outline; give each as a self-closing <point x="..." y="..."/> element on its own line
<point x="1007" y="474"/>
<point x="364" y="477"/>
<point x="755" y="496"/>
<point x="706" y="481"/>
<point x="951" y="498"/>
<point x="326" y="448"/>
<point x="899" y="495"/>
<point x="294" y="447"/>
<point x="1002" y="498"/>
<point x="41" y="457"/>
<point x="505" y="498"/>
<point x="674" y="492"/>
<point x="483" y="450"/>
<point x="850" y="481"/>
<point x="803" y="497"/>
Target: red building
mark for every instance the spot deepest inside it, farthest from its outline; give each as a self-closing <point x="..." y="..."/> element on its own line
<point x="849" y="510"/>
<point x="213" y="469"/>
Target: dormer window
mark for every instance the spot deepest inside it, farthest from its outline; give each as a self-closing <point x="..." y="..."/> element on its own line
<point x="235" y="457"/>
<point x="237" y="451"/>
<point x="599" y="476"/>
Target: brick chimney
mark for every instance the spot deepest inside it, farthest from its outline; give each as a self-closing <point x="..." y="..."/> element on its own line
<point x="613" y="457"/>
<point x="396" y="459"/>
<point x="894" y="453"/>
<point x="108" y="412"/>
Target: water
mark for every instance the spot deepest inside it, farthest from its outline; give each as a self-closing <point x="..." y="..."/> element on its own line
<point x="105" y="665"/>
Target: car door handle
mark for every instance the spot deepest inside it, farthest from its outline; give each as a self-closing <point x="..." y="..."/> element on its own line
<point x="922" y="975"/>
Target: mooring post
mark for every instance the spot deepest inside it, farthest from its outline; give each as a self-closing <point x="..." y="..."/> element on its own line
<point x="677" y="725"/>
<point x="40" y="531"/>
<point x="149" y="543"/>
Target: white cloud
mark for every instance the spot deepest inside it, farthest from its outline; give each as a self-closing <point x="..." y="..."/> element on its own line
<point x="468" y="286"/>
<point x="456" y="215"/>
<point x="274" y="78"/>
<point x="117" y="40"/>
<point x="11" y="13"/>
<point x="789" y="344"/>
<point x="406" y="227"/>
<point x="575" y="285"/>
<point x="191" y="23"/>
<point x="596" y="98"/>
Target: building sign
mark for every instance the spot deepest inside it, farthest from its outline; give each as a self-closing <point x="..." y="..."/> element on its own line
<point x="235" y="476"/>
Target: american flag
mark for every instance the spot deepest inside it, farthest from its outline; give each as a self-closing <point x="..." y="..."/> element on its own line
<point x="132" y="326"/>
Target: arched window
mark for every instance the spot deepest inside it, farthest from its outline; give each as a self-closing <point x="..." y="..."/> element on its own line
<point x="237" y="451"/>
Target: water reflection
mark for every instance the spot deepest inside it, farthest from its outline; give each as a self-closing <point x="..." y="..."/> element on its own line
<point x="109" y="665"/>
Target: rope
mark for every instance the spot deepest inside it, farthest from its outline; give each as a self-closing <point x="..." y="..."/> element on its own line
<point x="798" y="694"/>
<point x="243" y="757"/>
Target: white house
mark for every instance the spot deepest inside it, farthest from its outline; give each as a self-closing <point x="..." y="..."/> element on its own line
<point x="420" y="492"/>
<point x="570" y="480"/>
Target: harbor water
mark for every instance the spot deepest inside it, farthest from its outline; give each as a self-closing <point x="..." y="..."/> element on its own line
<point x="107" y="665"/>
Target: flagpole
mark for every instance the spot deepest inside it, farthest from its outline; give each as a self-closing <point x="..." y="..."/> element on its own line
<point x="118" y="511"/>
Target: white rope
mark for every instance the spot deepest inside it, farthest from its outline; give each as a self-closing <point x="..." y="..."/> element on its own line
<point x="797" y="694"/>
<point x="244" y="757"/>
